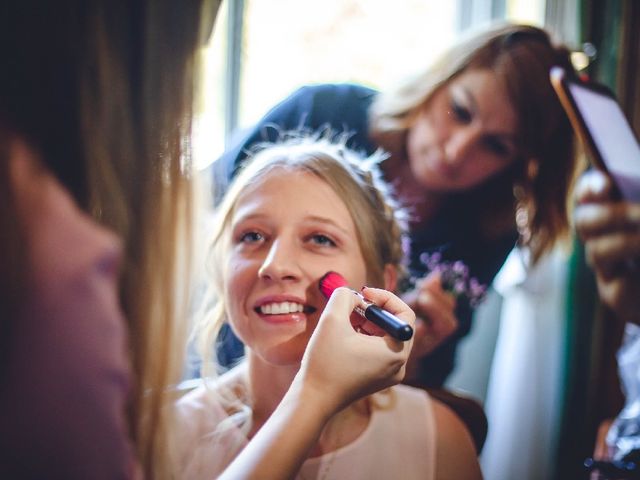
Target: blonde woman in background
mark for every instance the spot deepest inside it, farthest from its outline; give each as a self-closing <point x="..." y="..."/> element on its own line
<point x="299" y="209"/>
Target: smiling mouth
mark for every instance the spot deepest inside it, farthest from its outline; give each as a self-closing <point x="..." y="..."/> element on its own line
<point x="283" y="308"/>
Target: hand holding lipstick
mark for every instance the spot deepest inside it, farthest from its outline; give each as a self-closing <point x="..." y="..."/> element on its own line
<point x="381" y="360"/>
<point x="367" y="309"/>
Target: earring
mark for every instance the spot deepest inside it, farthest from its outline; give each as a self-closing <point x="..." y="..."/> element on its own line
<point x="522" y="215"/>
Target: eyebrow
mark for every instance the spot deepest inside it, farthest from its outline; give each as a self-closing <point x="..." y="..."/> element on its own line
<point x="328" y="221"/>
<point x="307" y="219"/>
<point x="470" y="98"/>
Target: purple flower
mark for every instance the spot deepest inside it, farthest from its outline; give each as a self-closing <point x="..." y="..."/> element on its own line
<point x="406" y="246"/>
<point x="459" y="287"/>
<point x="455" y="278"/>
<point x="460" y="268"/>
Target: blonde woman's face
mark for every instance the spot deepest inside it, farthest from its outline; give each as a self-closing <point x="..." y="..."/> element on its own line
<point x="287" y="231"/>
<point x="465" y="135"/>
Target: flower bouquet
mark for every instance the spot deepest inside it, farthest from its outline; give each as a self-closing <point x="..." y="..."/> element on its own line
<point x="455" y="278"/>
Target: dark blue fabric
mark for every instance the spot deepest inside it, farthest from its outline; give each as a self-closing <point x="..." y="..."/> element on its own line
<point x="344" y="109"/>
<point x="341" y="107"/>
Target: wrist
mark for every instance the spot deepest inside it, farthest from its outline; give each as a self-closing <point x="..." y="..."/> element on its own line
<point x="319" y="400"/>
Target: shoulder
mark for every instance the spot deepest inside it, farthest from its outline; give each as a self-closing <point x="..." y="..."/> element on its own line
<point x="211" y="399"/>
<point x="454" y="455"/>
<point x="206" y="437"/>
<point x="314" y="106"/>
<point x="338" y="90"/>
<point x="402" y="417"/>
<point x="409" y="409"/>
<point x="455" y="452"/>
<point x="198" y="411"/>
<point x="332" y="103"/>
<point x="209" y="402"/>
<point x="408" y="394"/>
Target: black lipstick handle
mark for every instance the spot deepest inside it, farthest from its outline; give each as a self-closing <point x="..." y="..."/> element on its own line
<point x="388" y="322"/>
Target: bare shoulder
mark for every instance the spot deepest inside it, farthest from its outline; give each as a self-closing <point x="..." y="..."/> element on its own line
<point x="455" y="452"/>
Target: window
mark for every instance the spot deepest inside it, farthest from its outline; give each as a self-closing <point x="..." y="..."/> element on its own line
<point x="262" y="50"/>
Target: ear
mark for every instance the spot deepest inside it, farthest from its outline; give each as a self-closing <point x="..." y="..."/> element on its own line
<point x="390" y="277"/>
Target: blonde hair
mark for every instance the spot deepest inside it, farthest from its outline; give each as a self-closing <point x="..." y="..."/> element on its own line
<point x="379" y="220"/>
<point x="104" y="91"/>
<point x="520" y="56"/>
<point x="139" y="185"/>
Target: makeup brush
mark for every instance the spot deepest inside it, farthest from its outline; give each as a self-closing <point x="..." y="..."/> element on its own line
<point x="385" y="320"/>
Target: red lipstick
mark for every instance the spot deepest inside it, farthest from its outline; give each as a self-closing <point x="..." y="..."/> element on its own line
<point x="385" y="320"/>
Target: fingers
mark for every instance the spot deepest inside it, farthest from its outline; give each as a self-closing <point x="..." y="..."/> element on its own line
<point x="431" y="286"/>
<point x="439" y="323"/>
<point x="601" y="450"/>
<point x="598" y="219"/>
<point x="609" y="251"/>
<point x="343" y="301"/>
<point x="340" y="305"/>
<point x="593" y="186"/>
<point x="391" y="303"/>
<point x="394" y="305"/>
<point x="437" y="307"/>
<point x="438" y="314"/>
<point x="362" y="325"/>
<point x="431" y="302"/>
<point x="386" y="355"/>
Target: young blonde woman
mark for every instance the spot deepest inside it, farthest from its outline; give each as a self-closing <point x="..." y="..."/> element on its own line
<point x="299" y="209"/>
<point x="475" y="140"/>
<point x="95" y="108"/>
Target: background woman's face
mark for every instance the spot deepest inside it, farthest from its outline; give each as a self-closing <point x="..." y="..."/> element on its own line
<point x="288" y="229"/>
<point x="464" y="135"/>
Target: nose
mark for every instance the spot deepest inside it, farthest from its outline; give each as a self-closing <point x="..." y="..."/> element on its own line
<point x="280" y="263"/>
<point x="460" y="144"/>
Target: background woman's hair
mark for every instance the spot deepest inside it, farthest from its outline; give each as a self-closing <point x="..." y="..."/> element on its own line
<point x="520" y="56"/>
<point x="103" y="90"/>
<point x="380" y="222"/>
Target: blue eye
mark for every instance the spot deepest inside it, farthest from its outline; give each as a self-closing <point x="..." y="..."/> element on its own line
<point x="250" y="237"/>
<point x="322" y="240"/>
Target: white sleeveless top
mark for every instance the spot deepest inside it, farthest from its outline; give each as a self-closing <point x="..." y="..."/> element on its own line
<point x="399" y="441"/>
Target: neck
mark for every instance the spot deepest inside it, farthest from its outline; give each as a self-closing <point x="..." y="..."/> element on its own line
<point x="267" y="385"/>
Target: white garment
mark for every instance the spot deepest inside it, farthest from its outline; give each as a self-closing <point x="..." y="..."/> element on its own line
<point x="524" y="396"/>
<point x="623" y="436"/>
<point x="399" y="441"/>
